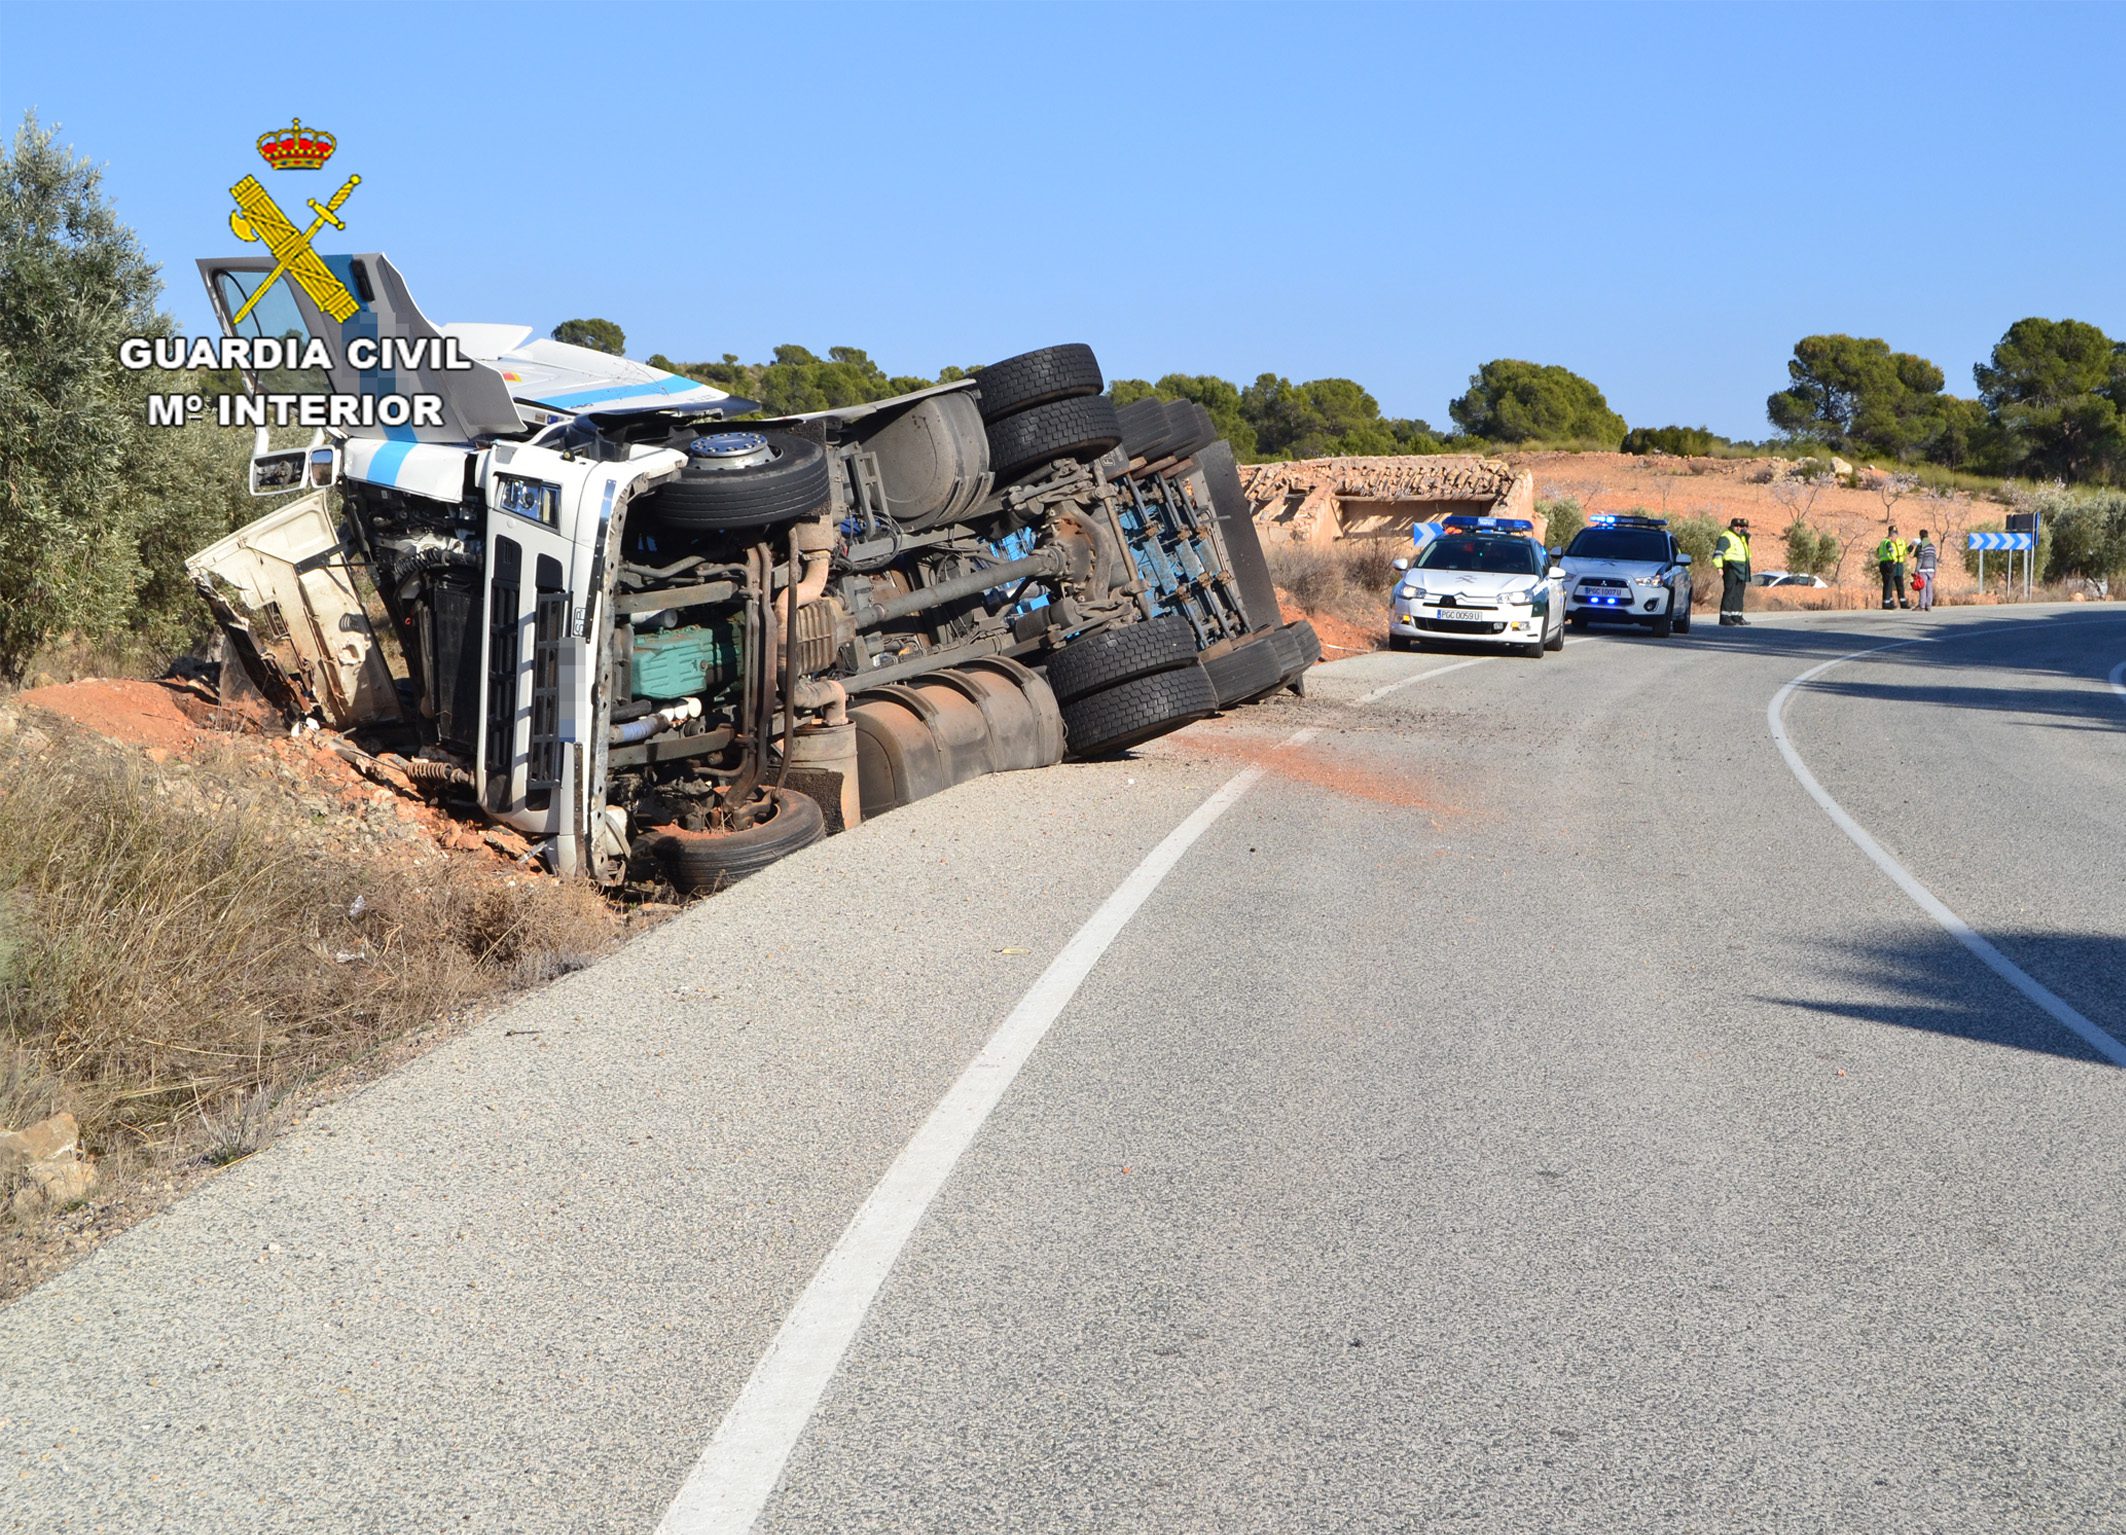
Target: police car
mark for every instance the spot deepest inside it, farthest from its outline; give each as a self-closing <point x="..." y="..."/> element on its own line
<point x="1627" y="569"/>
<point x="1480" y="579"/>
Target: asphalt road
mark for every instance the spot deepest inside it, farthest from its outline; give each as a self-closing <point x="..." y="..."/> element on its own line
<point x="1524" y="1108"/>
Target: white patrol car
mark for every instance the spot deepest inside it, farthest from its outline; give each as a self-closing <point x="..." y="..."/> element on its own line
<point x="1482" y="579"/>
<point x="1627" y="569"/>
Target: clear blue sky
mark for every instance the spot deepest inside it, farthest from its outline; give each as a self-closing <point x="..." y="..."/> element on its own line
<point x="1661" y="197"/>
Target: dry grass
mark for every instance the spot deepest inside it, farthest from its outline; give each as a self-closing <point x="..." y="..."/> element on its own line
<point x="175" y="964"/>
<point x="1350" y="579"/>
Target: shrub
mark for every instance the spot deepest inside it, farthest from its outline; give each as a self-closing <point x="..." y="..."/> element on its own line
<point x="1562" y="518"/>
<point x="1682" y="441"/>
<point x="1697" y="537"/>
<point x="1808" y="551"/>
<point x="2086" y="535"/>
<point x="1350" y="579"/>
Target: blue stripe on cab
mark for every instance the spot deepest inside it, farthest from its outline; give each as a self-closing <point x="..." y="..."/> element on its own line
<point x="582" y="397"/>
<point x="389" y="459"/>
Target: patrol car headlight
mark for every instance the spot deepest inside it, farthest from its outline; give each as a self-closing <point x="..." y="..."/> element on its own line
<point x="1649" y="580"/>
<point x="1409" y="593"/>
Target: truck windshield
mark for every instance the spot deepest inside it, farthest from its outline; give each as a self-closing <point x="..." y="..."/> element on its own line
<point x="1620" y="544"/>
<point x="1499" y="556"/>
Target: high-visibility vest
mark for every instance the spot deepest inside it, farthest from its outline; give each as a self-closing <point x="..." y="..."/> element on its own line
<point x="1733" y="548"/>
<point x="1892" y="551"/>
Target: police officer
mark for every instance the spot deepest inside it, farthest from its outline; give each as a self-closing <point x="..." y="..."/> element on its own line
<point x="1732" y="555"/>
<point x="1890" y="557"/>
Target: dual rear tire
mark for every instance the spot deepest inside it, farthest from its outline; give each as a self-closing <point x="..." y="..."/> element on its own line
<point x="1131" y="713"/>
<point x="1046" y="405"/>
<point x="1257" y="665"/>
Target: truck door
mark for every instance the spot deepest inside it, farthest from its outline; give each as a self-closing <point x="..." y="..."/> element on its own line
<point x="475" y="400"/>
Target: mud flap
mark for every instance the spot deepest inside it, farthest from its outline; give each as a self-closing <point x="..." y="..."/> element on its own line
<point x="282" y="594"/>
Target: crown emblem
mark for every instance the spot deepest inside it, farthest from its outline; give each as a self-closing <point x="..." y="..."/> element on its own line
<point x="296" y="148"/>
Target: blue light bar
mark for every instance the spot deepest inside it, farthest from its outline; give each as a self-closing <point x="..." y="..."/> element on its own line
<point x="1501" y="524"/>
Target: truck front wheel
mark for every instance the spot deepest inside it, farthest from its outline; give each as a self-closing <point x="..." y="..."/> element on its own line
<point x="741" y="479"/>
<point x="697" y="861"/>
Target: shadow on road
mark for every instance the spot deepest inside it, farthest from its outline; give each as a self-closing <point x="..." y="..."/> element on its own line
<point x="1939" y="986"/>
<point x="2077" y="647"/>
<point x="2095" y="709"/>
<point x="2082" y="628"/>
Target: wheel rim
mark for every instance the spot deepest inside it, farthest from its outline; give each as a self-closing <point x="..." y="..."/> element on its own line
<point x="720" y="451"/>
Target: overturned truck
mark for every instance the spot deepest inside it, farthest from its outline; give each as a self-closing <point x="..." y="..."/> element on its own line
<point x="664" y="636"/>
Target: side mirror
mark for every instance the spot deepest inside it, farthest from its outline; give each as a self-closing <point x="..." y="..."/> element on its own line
<point x="1402" y="564"/>
<point x="274" y="474"/>
<point x="1556" y="554"/>
<point x="1556" y="570"/>
<point x="1682" y="558"/>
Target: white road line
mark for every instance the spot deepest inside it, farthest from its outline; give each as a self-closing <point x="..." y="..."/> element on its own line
<point x="732" y="1481"/>
<point x="1775" y="716"/>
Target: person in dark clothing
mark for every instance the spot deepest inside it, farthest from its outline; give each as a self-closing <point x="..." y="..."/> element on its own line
<point x="1732" y="555"/>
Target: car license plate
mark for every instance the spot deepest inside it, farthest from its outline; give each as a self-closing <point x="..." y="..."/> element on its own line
<point x="1466" y="615"/>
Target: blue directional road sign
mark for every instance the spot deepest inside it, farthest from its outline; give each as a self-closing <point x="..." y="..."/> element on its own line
<point x="1992" y="541"/>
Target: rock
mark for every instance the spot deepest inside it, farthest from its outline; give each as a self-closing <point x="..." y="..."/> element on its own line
<point x="62" y="1180"/>
<point x="48" y="1138"/>
<point x="43" y="1166"/>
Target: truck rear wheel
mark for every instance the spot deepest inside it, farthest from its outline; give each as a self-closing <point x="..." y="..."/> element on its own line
<point x="1053" y="373"/>
<point x="1081" y="429"/>
<point x="1193" y="428"/>
<point x="1103" y="723"/>
<point x="1146" y="428"/>
<point x="1120" y="654"/>
<point x="742" y="479"/>
<point x="1291" y="656"/>
<point x="1250" y="669"/>
<point x="707" y="860"/>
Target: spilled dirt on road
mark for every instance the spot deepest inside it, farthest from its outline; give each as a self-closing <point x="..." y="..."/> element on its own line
<point x="1316" y="764"/>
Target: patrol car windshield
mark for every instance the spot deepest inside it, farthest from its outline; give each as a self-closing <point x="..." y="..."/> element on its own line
<point x="1619" y="544"/>
<point x="1499" y="556"/>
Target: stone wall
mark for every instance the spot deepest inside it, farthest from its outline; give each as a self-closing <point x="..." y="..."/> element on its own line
<point x="1321" y="500"/>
